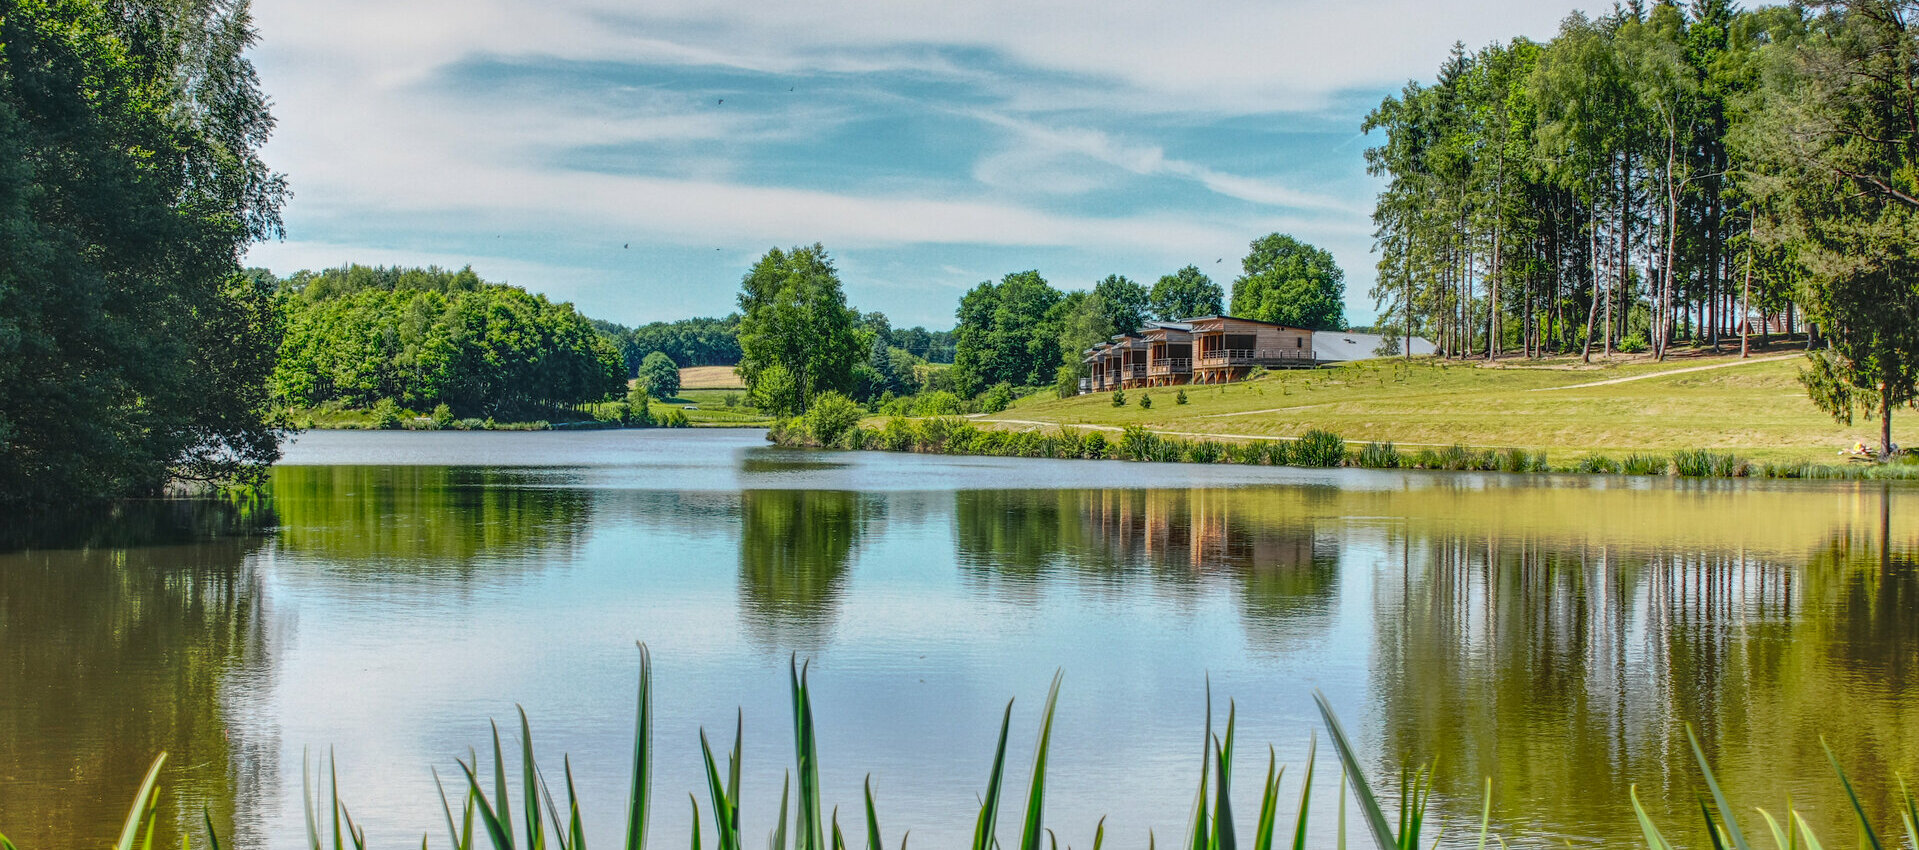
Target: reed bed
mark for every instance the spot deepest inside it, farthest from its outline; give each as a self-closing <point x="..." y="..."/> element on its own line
<point x="1314" y="449"/>
<point x="489" y="817"/>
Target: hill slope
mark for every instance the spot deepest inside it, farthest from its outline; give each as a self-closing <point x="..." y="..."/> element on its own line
<point x="1754" y="407"/>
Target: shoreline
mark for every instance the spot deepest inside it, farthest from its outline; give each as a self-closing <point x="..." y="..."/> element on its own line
<point x="1315" y="448"/>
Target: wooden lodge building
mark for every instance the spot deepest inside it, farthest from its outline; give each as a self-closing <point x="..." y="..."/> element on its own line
<point x="1206" y="350"/>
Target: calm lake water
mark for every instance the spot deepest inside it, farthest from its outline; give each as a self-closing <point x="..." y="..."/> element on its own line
<point x="397" y="590"/>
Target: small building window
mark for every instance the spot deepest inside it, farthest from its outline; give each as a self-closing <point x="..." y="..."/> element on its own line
<point x="1299" y="342"/>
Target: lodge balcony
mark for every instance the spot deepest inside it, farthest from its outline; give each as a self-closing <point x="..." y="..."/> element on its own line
<point x="1226" y="357"/>
<point x="1166" y="367"/>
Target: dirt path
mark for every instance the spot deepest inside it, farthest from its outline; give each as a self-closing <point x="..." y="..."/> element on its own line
<point x="1650" y="375"/>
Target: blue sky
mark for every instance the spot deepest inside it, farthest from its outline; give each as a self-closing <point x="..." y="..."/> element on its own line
<point x="635" y="158"/>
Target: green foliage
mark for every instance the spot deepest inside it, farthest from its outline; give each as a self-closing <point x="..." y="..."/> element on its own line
<point x="1186" y="294"/>
<point x="1289" y="282"/>
<point x="386" y="415"/>
<point x="1119" y="398"/>
<point x="997" y="398"/>
<point x="1318" y="448"/>
<point x="831" y="415"/>
<point x="797" y="336"/>
<point x="1597" y="464"/>
<point x="1146" y="401"/>
<point x="672" y="417"/>
<point x="1007" y="332"/>
<point x="442" y="416"/>
<point x="133" y="350"/>
<point x="690" y="342"/>
<point x="1378" y="456"/>
<point x="1180" y="396"/>
<point x="425" y="337"/>
<point x="1066" y="382"/>
<point x="639" y="406"/>
<point x="659" y="375"/>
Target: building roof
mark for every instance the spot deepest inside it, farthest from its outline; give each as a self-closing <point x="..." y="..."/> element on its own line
<point x="1189" y="322"/>
<point x="1338" y="346"/>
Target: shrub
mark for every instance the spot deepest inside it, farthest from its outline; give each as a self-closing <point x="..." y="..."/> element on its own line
<point x="659" y="375"/>
<point x="1634" y="343"/>
<point x="1119" y="398"/>
<point x="731" y="400"/>
<point x="1699" y="463"/>
<point x="386" y="414"/>
<point x="1644" y="465"/>
<point x="1066" y="382"/>
<point x="1137" y="443"/>
<point x="1318" y="448"/>
<point x="1378" y="456"/>
<point x="1520" y="460"/>
<point x="997" y="398"/>
<point x="1597" y="464"/>
<point x="1180" y="397"/>
<point x="472" y="424"/>
<point x="941" y="403"/>
<point x="829" y="417"/>
<point x="1095" y="447"/>
<point x="673" y="417"/>
<point x="1279" y="453"/>
<point x="1247" y="453"/>
<point x="442" y="416"/>
<point x="1146" y="401"/>
<point x="1204" y="451"/>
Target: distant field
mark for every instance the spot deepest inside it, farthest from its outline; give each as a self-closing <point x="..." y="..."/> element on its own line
<point x="711" y="378"/>
<point x="1756" y="409"/>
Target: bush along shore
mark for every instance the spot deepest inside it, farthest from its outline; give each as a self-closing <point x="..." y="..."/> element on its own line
<point x="826" y="425"/>
<point x="488" y="816"/>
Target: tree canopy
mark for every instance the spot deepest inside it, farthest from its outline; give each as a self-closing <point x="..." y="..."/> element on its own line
<point x="132" y="349"/>
<point x="1186" y="294"/>
<point x="797" y="335"/>
<point x="1005" y="334"/>
<point x="423" y="337"/>
<point x="1288" y="282"/>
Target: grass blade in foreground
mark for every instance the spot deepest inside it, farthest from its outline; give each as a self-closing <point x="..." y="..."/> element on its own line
<point x="1368" y="804"/>
<point x="1036" y="799"/>
<point x="143" y="807"/>
<point x="637" y="801"/>
<point x="988" y="822"/>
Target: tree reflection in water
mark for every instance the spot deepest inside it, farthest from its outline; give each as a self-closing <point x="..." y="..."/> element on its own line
<point x="1567" y="669"/>
<point x="115" y="651"/>
<point x="796" y="547"/>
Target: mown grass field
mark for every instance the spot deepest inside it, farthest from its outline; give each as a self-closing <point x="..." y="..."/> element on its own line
<point x="707" y="407"/>
<point x="711" y="378"/>
<point x="1755" y="408"/>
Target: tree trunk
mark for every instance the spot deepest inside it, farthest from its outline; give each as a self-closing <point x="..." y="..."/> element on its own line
<point x="1885" y="421"/>
<point x="1592" y="304"/>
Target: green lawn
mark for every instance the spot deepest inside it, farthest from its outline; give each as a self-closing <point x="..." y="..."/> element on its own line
<point x="711" y="410"/>
<point x="1756" y="409"/>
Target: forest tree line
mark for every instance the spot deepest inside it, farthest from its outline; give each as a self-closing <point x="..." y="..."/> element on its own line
<point x="716" y="341"/>
<point x="357" y="335"/>
<point x="1663" y="173"/>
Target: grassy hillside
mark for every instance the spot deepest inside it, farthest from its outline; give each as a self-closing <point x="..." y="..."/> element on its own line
<point x="1754" y="407"/>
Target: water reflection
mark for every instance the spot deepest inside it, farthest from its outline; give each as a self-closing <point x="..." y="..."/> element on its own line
<point x="1284" y="573"/>
<point x="796" y="547"/>
<point x="1568" y="670"/>
<point x="114" y="652"/>
<point x="427" y="518"/>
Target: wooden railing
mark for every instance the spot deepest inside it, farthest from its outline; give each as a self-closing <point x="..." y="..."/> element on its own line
<point x="1170" y="366"/>
<point x="1250" y="356"/>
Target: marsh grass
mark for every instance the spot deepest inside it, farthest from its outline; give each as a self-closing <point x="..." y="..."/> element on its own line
<point x="491" y="818"/>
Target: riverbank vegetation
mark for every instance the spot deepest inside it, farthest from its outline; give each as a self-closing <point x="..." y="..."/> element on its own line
<point x="549" y="813"/>
<point x="133" y="352"/>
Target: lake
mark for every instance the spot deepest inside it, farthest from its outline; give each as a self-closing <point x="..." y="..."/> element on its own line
<point x="1556" y="634"/>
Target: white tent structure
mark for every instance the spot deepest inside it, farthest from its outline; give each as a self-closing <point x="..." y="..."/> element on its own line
<point x="1340" y="347"/>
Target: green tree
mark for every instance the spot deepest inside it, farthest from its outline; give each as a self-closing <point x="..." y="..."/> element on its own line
<point x="1289" y="282"/>
<point x="1837" y="157"/>
<point x="132" y="348"/>
<point x="1127" y="304"/>
<point x="796" y="333"/>
<point x="1186" y="294"/>
<point x="660" y="375"/>
<point x="1006" y="333"/>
